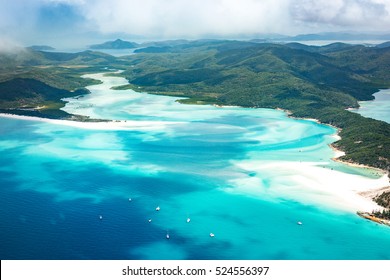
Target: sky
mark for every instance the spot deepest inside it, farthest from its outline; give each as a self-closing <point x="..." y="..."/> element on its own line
<point x="84" y="21"/>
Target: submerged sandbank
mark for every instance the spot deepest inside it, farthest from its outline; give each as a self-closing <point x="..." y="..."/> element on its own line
<point x="311" y="183"/>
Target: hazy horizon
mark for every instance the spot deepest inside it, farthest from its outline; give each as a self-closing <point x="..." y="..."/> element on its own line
<point x="83" y="22"/>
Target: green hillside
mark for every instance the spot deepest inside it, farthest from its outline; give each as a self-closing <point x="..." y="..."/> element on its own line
<point x="310" y="82"/>
<point x="34" y="82"/>
<point x="34" y="98"/>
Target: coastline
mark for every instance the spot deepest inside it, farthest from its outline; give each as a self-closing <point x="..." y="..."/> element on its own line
<point x="311" y="183"/>
<point x="101" y="125"/>
<point x="338" y="153"/>
<point x="367" y="194"/>
<point x="373" y="218"/>
<point x="373" y="193"/>
<point x="352" y="195"/>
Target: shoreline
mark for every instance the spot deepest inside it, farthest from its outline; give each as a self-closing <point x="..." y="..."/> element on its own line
<point x="338" y="153"/>
<point x="367" y="204"/>
<point x="310" y="183"/>
<point x="373" y="193"/>
<point x="101" y="125"/>
<point x="350" y="194"/>
<point x="367" y="194"/>
<point x="373" y="218"/>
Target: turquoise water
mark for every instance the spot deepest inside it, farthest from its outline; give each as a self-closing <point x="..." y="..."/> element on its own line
<point x="378" y="109"/>
<point x="245" y="175"/>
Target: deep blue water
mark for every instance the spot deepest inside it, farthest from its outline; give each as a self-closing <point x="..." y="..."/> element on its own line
<point x="242" y="174"/>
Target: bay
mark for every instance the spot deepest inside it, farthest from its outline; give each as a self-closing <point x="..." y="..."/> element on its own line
<point x="248" y="176"/>
<point x="378" y="109"/>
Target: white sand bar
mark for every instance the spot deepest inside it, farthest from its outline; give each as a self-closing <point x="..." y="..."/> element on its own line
<point x="310" y="182"/>
<point x="103" y="125"/>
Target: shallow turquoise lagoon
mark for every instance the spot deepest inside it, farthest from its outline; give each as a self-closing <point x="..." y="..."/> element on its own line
<point x="70" y="191"/>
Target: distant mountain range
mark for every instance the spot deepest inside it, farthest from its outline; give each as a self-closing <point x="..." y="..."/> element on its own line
<point x="328" y="36"/>
<point x="337" y="36"/>
<point x="164" y="46"/>
<point x="117" y="45"/>
<point x="41" y="48"/>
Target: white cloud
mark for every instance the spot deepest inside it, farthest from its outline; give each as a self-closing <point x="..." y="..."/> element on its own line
<point x="9" y="46"/>
<point x="190" y="18"/>
<point x="370" y="15"/>
<point x="182" y="18"/>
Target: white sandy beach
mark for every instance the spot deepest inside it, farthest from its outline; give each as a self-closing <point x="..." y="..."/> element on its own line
<point x="104" y="125"/>
<point x="313" y="183"/>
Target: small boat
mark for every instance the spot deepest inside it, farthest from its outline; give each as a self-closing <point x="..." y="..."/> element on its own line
<point x="212" y="234"/>
<point x="158" y="208"/>
<point x="188" y="220"/>
<point x="150" y="220"/>
<point x="299" y="223"/>
<point x="167" y="236"/>
<point x="130" y="199"/>
<point x="100" y="217"/>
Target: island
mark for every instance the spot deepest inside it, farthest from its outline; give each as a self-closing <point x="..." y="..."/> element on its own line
<point x="118" y="44"/>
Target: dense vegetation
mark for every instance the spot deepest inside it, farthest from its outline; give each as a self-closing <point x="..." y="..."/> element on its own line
<point x="34" y="82"/>
<point x="383" y="199"/>
<point x="310" y="82"/>
<point x="384" y="214"/>
<point x="313" y="82"/>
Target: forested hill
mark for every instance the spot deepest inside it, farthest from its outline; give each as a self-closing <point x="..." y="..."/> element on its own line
<point x="339" y="74"/>
<point x="34" y="82"/>
<point x="313" y="82"/>
<point x="118" y="44"/>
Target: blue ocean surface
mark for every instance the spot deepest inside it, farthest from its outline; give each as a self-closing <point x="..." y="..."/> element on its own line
<point x="229" y="183"/>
